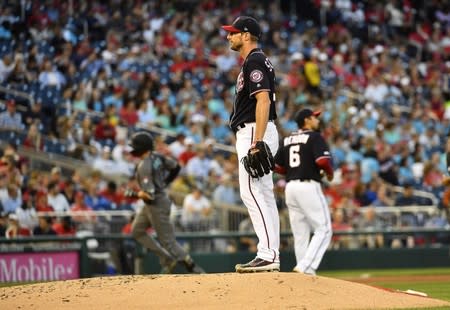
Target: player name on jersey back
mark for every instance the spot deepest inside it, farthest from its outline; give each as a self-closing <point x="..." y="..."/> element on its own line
<point x="295" y="139"/>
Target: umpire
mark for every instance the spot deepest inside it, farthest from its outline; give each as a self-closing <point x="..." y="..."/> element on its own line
<point x="154" y="172"/>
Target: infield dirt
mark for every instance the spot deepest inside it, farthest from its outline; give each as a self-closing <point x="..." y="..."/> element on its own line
<point x="209" y="291"/>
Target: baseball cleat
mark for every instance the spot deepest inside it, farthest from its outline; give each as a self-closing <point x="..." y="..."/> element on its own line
<point x="191" y="266"/>
<point x="258" y="265"/>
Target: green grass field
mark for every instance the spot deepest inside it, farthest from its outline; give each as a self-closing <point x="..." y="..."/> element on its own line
<point x="388" y="277"/>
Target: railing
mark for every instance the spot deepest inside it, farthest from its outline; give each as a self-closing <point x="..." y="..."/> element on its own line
<point x="189" y="236"/>
<point x="418" y="193"/>
<point x="17" y="93"/>
<point x="227" y="217"/>
<point x="103" y="213"/>
<point x="395" y="213"/>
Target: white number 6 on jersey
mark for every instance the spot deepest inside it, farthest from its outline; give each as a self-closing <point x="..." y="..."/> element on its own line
<point x="294" y="155"/>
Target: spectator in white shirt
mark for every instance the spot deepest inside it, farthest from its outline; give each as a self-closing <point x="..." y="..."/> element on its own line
<point x="119" y="149"/>
<point x="377" y="90"/>
<point x="107" y="166"/>
<point x="196" y="210"/>
<point x="56" y="199"/>
<point x="178" y="146"/>
<point x="50" y="76"/>
<point x="6" y="67"/>
<point x="199" y="165"/>
<point x="13" y="199"/>
<point x="103" y="162"/>
<point x="10" y="118"/>
<point x="226" y="192"/>
<point x="146" y="112"/>
<point x="26" y="214"/>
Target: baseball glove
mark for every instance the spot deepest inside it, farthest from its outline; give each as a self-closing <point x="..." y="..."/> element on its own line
<point x="259" y="160"/>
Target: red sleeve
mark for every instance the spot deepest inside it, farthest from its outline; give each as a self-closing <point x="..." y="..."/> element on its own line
<point x="279" y="169"/>
<point x="325" y="164"/>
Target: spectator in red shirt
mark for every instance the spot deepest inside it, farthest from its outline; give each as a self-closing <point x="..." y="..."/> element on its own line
<point x="340" y="223"/>
<point x="128" y="114"/>
<point x="42" y="204"/>
<point x="168" y="38"/>
<point x="179" y="63"/>
<point x="34" y="139"/>
<point x="104" y="130"/>
<point x="188" y="153"/>
<point x="64" y="227"/>
<point x="350" y="177"/>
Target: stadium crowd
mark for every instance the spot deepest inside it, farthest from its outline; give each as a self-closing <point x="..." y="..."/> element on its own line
<point x="100" y="70"/>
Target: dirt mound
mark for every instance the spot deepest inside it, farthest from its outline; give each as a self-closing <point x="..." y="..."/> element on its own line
<point x="209" y="291"/>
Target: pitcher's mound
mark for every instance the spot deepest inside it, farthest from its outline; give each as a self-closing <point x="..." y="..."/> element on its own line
<point x="209" y="291"/>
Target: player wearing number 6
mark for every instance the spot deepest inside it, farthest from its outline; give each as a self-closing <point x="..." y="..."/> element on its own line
<point x="302" y="157"/>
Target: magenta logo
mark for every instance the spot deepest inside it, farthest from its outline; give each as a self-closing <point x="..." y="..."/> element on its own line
<point x="23" y="267"/>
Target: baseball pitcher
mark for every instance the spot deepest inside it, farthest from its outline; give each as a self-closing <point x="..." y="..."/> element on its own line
<point x="252" y="119"/>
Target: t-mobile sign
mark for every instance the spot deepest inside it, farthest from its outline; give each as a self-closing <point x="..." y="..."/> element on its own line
<point x="46" y="266"/>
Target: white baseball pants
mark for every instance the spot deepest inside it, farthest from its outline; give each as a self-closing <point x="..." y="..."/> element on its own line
<point x="258" y="196"/>
<point x="308" y="211"/>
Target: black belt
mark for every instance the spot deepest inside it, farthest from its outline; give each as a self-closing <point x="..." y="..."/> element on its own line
<point x="242" y="125"/>
<point x="304" y="180"/>
<point x="239" y="127"/>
